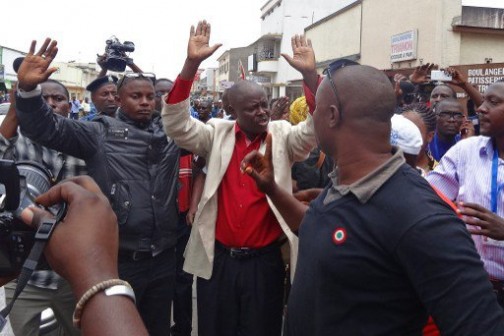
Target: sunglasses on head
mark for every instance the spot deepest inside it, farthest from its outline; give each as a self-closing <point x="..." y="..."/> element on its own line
<point x="128" y="76"/>
<point x="329" y="72"/>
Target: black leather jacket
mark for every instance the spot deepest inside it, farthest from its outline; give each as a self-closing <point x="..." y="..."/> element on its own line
<point x="135" y="165"/>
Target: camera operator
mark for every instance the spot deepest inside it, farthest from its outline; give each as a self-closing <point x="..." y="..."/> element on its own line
<point x="136" y="166"/>
<point x="103" y="89"/>
<point x="46" y="288"/>
<point x="83" y="249"/>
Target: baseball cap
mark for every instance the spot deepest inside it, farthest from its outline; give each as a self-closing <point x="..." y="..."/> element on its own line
<point x="405" y="135"/>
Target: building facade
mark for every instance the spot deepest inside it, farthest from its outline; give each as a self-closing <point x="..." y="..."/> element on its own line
<point x="75" y="76"/>
<point x="7" y="73"/>
<point x="229" y="70"/>
<point x="206" y="84"/>
<point x="403" y="34"/>
<point x="282" y="19"/>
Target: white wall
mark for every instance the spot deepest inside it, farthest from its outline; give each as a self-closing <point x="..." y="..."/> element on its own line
<point x="437" y="42"/>
<point x="337" y="37"/>
<point x="8" y="56"/>
<point x="68" y="75"/>
<point x="273" y="23"/>
<point x="484" y="3"/>
<point x="291" y="18"/>
<point x="476" y="47"/>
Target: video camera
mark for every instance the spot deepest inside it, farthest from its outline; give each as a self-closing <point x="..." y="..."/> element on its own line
<point x="21" y="183"/>
<point x="115" y="54"/>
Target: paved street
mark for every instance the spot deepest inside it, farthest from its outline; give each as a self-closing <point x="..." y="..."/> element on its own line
<point x="7" y="331"/>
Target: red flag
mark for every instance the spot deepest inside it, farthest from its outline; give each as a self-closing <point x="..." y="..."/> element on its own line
<point x="241" y="69"/>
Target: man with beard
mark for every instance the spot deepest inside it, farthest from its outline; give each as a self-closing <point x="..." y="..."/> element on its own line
<point x="472" y="173"/>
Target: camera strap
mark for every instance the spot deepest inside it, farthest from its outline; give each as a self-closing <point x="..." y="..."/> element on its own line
<point x="41" y="237"/>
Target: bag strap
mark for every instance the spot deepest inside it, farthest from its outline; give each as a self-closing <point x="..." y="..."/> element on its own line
<point x="320" y="160"/>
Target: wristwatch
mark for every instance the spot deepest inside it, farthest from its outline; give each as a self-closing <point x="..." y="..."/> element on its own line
<point x="121" y="290"/>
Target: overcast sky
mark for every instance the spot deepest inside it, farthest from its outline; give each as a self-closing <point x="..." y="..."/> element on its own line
<point x="159" y="29"/>
<point x="484" y="3"/>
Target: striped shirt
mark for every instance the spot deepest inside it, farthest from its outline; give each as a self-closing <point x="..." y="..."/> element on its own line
<point x="464" y="174"/>
<point x="20" y="148"/>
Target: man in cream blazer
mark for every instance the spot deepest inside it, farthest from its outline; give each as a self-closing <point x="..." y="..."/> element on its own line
<point x="215" y="141"/>
<point x="236" y="295"/>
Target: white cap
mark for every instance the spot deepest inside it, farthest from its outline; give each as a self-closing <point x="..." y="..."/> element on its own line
<point x="405" y="135"/>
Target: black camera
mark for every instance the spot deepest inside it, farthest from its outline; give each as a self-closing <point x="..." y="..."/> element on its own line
<point x="115" y="54"/>
<point x="21" y="183"/>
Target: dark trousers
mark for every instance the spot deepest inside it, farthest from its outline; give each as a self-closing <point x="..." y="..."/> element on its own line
<point x="153" y="281"/>
<point x="182" y="299"/>
<point x="244" y="296"/>
<point x="498" y="287"/>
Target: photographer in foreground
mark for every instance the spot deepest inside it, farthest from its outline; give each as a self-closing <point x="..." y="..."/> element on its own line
<point x="46" y="289"/>
<point x="83" y="249"/>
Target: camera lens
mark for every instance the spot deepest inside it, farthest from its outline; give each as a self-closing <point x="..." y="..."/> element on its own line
<point x="35" y="180"/>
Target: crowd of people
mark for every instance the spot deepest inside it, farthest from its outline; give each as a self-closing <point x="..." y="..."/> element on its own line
<point x="362" y="208"/>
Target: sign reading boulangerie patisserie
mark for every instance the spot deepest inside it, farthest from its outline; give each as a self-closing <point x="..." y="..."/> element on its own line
<point x="485" y="74"/>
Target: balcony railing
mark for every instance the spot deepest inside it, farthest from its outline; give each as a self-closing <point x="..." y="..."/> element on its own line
<point x="267" y="55"/>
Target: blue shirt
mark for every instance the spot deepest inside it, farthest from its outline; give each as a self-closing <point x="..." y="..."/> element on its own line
<point x="438" y="148"/>
<point x="193" y="112"/>
<point x="76" y="106"/>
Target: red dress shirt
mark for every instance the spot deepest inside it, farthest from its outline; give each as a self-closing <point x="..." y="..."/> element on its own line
<point x="244" y="218"/>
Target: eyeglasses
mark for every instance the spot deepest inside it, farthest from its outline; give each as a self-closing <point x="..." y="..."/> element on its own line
<point x="128" y="76"/>
<point x="332" y="68"/>
<point x="449" y="115"/>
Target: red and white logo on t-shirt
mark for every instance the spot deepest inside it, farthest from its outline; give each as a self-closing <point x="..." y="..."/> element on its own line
<point x="339" y="236"/>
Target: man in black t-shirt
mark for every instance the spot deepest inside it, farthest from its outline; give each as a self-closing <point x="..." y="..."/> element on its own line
<point x="379" y="251"/>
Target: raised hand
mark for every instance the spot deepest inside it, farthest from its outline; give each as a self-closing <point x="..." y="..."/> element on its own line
<point x="422" y="73"/>
<point x="460" y="80"/>
<point x="198" y="48"/>
<point x="467" y="129"/>
<point x="260" y="167"/>
<point x="35" y="67"/>
<point x="457" y="77"/>
<point x="280" y="109"/>
<point x="303" y="56"/>
<point x="490" y="225"/>
<point x="397" y="80"/>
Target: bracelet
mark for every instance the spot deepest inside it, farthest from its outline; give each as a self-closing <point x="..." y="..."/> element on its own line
<point x="111" y="287"/>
